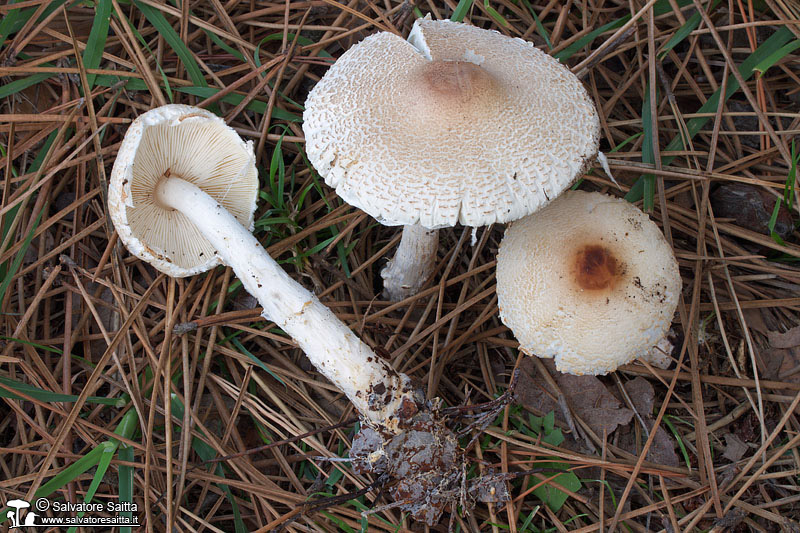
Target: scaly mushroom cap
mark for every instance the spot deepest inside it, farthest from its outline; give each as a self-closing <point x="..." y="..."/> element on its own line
<point x="193" y="144"/>
<point x="589" y="280"/>
<point x="456" y="124"/>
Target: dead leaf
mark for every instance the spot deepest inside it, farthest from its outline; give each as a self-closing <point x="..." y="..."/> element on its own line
<point x="772" y="359"/>
<point x="747" y="428"/>
<point x="662" y="450"/>
<point x="755" y="320"/>
<point x="790" y="366"/>
<point x="588" y="397"/>
<point x="734" y="448"/>
<point x="751" y="208"/>
<point x="790" y="339"/>
<point x="642" y="395"/>
<point x="782" y="364"/>
<point x="725" y="474"/>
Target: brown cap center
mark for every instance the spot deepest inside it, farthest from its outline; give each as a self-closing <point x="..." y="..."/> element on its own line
<point x="455" y="89"/>
<point x="596" y="268"/>
<point x="455" y="79"/>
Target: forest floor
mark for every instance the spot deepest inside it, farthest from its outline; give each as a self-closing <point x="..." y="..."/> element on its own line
<point x="225" y="426"/>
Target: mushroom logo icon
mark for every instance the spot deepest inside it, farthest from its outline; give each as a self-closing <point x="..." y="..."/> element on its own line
<point x="14" y="513"/>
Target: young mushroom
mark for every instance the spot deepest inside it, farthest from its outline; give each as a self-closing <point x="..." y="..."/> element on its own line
<point x="182" y="195"/>
<point x="589" y="280"/>
<point x="456" y="125"/>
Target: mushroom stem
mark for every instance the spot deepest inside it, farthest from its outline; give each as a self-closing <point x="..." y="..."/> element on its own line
<point x="413" y="263"/>
<point x="371" y="384"/>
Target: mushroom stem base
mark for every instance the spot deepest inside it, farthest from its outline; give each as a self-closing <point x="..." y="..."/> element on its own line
<point x="413" y="263"/>
<point x="382" y="395"/>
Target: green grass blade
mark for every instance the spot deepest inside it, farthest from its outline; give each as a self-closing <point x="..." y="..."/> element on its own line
<point x="131" y="84"/>
<point x="96" y="42"/>
<point x="339" y="522"/>
<point x="268" y="220"/>
<point x="683" y="32"/>
<point x="791" y="179"/>
<point x="14" y="171"/>
<point x="461" y="10"/>
<point x="18" y="85"/>
<point x="694" y="125"/>
<point x="222" y="44"/>
<point x="678" y="438"/>
<point x="126" y="428"/>
<point x="661" y="7"/>
<point x="570" y="50"/>
<point x="16" y="18"/>
<point x="108" y="449"/>
<point x="165" y="30"/>
<point x="206" y="453"/>
<point x="529" y="519"/>
<point x="746" y="69"/>
<point x="296" y="260"/>
<point x="128" y="425"/>
<point x="648" y="150"/>
<point x="343" y="252"/>
<point x="34" y="344"/>
<point x="15" y="264"/>
<point x="73" y="471"/>
<point x="315" y="180"/>
<point x="126" y="482"/>
<point x="301" y="40"/>
<point x="773" y="220"/>
<point x="35" y="165"/>
<point x="277" y="169"/>
<point x="540" y="29"/>
<point x="46" y="395"/>
<point x="256" y="360"/>
<point x="13" y="21"/>
<point x="495" y="14"/>
<point x="777" y="56"/>
<point x="235" y="99"/>
<point x="100" y="456"/>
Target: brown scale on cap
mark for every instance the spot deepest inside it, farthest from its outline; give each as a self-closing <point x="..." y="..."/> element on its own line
<point x="596" y="268"/>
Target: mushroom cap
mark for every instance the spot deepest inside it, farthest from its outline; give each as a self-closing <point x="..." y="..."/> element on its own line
<point x="589" y="280"/>
<point x="20" y="504"/>
<point x="455" y="125"/>
<point x="193" y="144"/>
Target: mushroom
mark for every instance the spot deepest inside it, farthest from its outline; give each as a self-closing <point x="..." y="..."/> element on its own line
<point x="182" y="195"/>
<point x="457" y="124"/>
<point x="589" y="280"/>
<point x="17" y="506"/>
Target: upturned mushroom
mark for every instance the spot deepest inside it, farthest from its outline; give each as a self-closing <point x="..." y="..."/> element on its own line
<point x="589" y="280"/>
<point x="182" y="195"/>
<point x="456" y="125"/>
